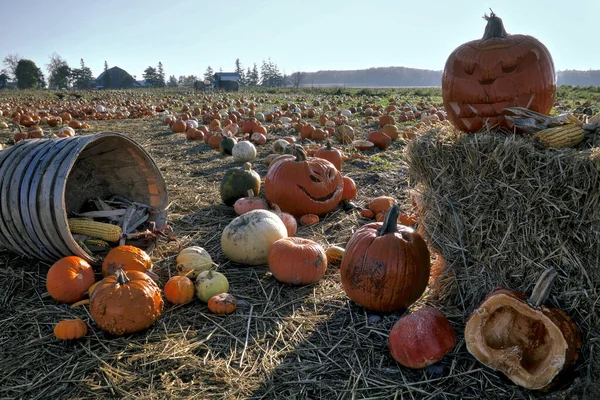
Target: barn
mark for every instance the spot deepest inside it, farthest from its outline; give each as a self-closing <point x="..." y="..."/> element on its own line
<point x="117" y="78"/>
<point x="228" y="81"/>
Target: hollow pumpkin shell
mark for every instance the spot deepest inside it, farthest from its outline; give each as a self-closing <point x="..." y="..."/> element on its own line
<point x="532" y="346"/>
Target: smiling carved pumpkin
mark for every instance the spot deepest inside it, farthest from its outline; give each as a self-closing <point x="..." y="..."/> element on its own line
<point x="484" y="76"/>
<point x="304" y="185"/>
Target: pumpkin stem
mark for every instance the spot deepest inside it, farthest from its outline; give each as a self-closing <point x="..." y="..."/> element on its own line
<point x="494" y="27"/>
<point x="541" y="291"/>
<point x="247" y="166"/>
<point x="328" y="144"/>
<point x="299" y="153"/>
<point x="390" y="223"/>
<point x="121" y="277"/>
<point x="250" y="193"/>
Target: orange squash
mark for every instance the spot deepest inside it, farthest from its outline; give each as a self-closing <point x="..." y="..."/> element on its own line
<point x="127" y="258"/>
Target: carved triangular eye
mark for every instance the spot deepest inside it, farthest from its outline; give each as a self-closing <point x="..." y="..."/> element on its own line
<point x="314" y="178"/>
<point x="509" y="69"/>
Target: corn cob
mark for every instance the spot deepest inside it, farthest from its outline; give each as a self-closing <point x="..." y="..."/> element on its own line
<point x="97" y="242"/>
<point x="99" y="230"/>
<point x="568" y="135"/>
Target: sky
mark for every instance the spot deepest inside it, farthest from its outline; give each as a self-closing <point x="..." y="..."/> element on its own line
<point x="187" y="36"/>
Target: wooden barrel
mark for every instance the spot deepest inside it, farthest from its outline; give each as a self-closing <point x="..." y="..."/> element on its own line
<point x="42" y="181"/>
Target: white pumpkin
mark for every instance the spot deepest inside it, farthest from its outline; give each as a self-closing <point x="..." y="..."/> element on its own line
<point x="279" y="146"/>
<point x="193" y="260"/>
<point x="3" y="125"/>
<point x="248" y="238"/>
<point x="66" y="131"/>
<point x="243" y="151"/>
<point x="191" y="123"/>
<point x="285" y="120"/>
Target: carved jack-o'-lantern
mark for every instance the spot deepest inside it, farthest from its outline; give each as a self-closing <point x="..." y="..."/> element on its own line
<point x="304" y="185"/>
<point x="482" y="77"/>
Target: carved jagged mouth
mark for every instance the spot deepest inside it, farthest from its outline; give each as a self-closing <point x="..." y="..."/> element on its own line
<point x="487" y="81"/>
<point x="319" y="199"/>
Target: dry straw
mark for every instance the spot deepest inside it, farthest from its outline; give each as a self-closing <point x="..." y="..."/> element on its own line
<point x="500" y="210"/>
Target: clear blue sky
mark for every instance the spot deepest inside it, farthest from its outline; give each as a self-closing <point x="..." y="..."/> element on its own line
<point x="307" y="35"/>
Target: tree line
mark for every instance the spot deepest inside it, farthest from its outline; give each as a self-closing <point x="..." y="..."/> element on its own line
<point x="61" y="76"/>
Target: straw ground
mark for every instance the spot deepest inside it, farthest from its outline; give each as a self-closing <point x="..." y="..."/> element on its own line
<point x="284" y="341"/>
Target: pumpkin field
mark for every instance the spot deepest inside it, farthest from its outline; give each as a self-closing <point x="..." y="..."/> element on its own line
<point x="315" y="315"/>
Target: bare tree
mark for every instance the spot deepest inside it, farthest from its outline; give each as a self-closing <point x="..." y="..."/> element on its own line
<point x="55" y="61"/>
<point x="297" y="78"/>
<point x="11" y="61"/>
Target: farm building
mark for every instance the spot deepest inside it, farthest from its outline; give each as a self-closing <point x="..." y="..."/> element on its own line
<point x="228" y="81"/>
<point x="117" y="78"/>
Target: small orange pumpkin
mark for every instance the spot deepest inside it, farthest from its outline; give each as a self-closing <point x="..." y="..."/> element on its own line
<point x="222" y="303"/>
<point x="331" y="154"/>
<point x="309" y="219"/>
<point x="179" y="289"/>
<point x="288" y="220"/>
<point x="349" y="191"/>
<point x="69" y="278"/>
<point x="381" y="204"/>
<point x="69" y="329"/>
<point x="127" y="258"/>
<point x="380" y="139"/>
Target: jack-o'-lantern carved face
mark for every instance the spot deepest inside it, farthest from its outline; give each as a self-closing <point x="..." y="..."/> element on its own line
<point x="304" y="185"/>
<point x="482" y="77"/>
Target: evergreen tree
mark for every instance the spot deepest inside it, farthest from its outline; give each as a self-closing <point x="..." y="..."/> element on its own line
<point x="247" y="77"/>
<point x="209" y="73"/>
<point x="82" y="77"/>
<point x="160" y="76"/>
<point x="106" y="79"/>
<point x="172" y="81"/>
<point x="41" y="79"/>
<point x="3" y="79"/>
<point x="27" y="74"/>
<point x="253" y="77"/>
<point x="240" y="70"/>
<point x="151" y="76"/>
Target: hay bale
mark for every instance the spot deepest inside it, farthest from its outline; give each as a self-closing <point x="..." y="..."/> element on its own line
<point x="500" y="210"/>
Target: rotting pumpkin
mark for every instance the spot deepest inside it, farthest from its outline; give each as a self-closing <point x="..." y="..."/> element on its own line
<point x="530" y="343"/>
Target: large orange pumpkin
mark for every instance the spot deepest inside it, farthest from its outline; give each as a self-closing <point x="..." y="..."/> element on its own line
<point x="126" y="302"/>
<point x="69" y="278"/>
<point x="385" y="267"/>
<point x="484" y="76"/>
<point x="126" y="257"/>
<point x="304" y="185"/>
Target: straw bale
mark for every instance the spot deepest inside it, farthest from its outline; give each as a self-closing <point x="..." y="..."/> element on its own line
<point x="500" y="210"/>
